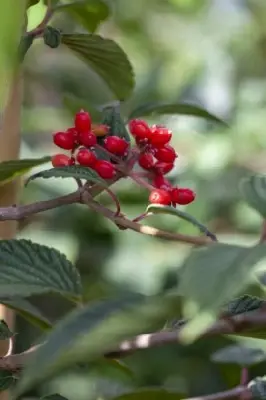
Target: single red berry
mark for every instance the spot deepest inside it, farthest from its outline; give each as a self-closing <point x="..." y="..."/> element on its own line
<point x="161" y="183"/>
<point x="160" y="136"/>
<point x="140" y="129"/>
<point x="166" y="154"/>
<point x="105" y="169"/>
<point x="60" y="160"/>
<point x="146" y="160"/>
<point x="182" y="196"/>
<point x="100" y="130"/>
<point x="87" y="139"/>
<point x="160" y="196"/>
<point x="116" y="145"/>
<point x="83" y="121"/>
<point x="86" y="158"/>
<point x="64" y="140"/>
<point x="163" y="167"/>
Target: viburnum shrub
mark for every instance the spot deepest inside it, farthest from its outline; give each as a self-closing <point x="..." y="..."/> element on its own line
<point x="132" y="346"/>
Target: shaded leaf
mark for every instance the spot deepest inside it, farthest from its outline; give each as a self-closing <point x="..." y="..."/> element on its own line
<point x="7" y="379"/>
<point x="161" y="209"/>
<point x="73" y="171"/>
<point x="88" y="332"/>
<point x="32" y="3"/>
<point x="28" y="268"/>
<point x="54" y="396"/>
<point x="257" y="388"/>
<point x="5" y="332"/>
<point x="237" y="354"/>
<point x="253" y="190"/>
<point x="244" y="304"/>
<point x="112" y="117"/>
<point x="24" y="45"/>
<point x="10" y="170"/>
<point x="89" y="13"/>
<point x="151" y="394"/>
<point x="106" y="58"/>
<point x="179" y="108"/>
<point x="52" y="37"/>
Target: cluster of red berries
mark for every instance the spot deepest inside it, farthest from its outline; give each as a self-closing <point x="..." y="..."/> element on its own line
<point x="152" y="144"/>
<point x="158" y="157"/>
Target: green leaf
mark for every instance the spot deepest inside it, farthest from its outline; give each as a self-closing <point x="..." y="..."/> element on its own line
<point x="73" y="171"/>
<point x="113" y="118"/>
<point x="212" y="276"/>
<point x="88" y="13"/>
<point x="52" y="37"/>
<point x="27" y="268"/>
<point x="25" y="44"/>
<point x="28" y="311"/>
<point x="106" y="58"/>
<point x="7" y="380"/>
<point x="10" y="170"/>
<point x="257" y="388"/>
<point x="239" y="354"/>
<point x="243" y="304"/>
<point x="253" y="190"/>
<point x="160" y="209"/>
<point x="5" y="332"/>
<point x="54" y="396"/>
<point x="87" y="333"/>
<point x="32" y="3"/>
<point x="151" y="394"/>
<point x="179" y="108"/>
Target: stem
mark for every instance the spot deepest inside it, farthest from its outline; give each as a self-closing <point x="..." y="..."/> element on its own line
<point x="48" y="15"/>
<point x="115" y="199"/>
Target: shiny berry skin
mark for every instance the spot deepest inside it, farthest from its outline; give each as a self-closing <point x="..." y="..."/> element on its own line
<point x="87" y="139"/>
<point x="146" y="160"/>
<point x="105" y="169"/>
<point x="161" y="183"/>
<point x="72" y="131"/>
<point x="160" y="196"/>
<point x="83" y="121"/>
<point x="86" y="158"/>
<point x="116" y="145"/>
<point x="64" y="140"/>
<point x="61" y="160"/>
<point x="163" y="167"/>
<point x="182" y="196"/>
<point x="100" y="130"/>
<point x="140" y="129"/>
<point x="166" y="154"/>
<point x="160" y="136"/>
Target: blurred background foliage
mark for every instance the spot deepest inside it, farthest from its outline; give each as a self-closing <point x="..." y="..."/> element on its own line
<point x="208" y="52"/>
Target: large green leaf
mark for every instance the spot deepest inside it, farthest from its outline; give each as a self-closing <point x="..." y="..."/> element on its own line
<point x="87" y="333"/>
<point x="28" y="268"/>
<point x="179" y="108"/>
<point x="89" y="13"/>
<point x="212" y="276"/>
<point x="73" y="171"/>
<point x="161" y="209"/>
<point x="253" y="190"/>
<point x="10" y="170"/>
<point x="106" y="58"/>
<point x="151" y="394"/>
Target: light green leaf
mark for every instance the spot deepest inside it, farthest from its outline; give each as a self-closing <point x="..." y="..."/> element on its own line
<point x="106" y="58"/>
<point x="10" y="170"/>
<point x="151" y="394"/>
<point x="253" y="190"/>
<point x="5" y="332"/>
<point x="87" y="333"/>
<point x="161" y="209"/>
<point x="27" y="268"/>
<point x="89" y="13"/>
<point x="179" y="108"/>
<point x="73" y="171"/>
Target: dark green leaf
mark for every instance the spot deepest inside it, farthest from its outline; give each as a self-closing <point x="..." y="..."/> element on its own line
<point x="32" y="3"/>
<point x="52" y="37"/>
<point x="25" y="43"/>
<point x="243" y="304"/>
<point x="88" y="332"/>
<point x="113" y="118"/>
<point x="28" y="311"/>
<point x="73" y="171"/>
<point x="10" y="170"/>
<point x="106" y="58"/>
<point x="28" y="268"/>
<point x="7" y="380"/>
<point x="182" y="109"/>
<point x="237" y="354"/>
<point x="254" y="192"/>
<point x="151" y="394"/>
<point x="89" y="13"/>
<point x="160" y="209"/>
<point x="54" y="396"/>
<point x="257" y="388"/>
<point x="5" y="332"/>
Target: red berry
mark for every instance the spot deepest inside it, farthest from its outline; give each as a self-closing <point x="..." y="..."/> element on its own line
<point x="105" y="169"/>
<point x="72" y="131"/>
<point x="64" y="140"/>
<point x="182" y="196"/>
<point x="83" y="121"/>
<point x="140" y="129"/>
<point x="160" y="196"/>
<point x="100" y="130"/>
<point x="116" y="145"/>
<point x="161" y="183"/>
<point x="86" y="157"/>
<point x="60" y="160"/>
<point x="87" y="139"/>
<point x="146" y="160"/>
<point x="166" y="154"/>
<point x="163" y="167"/>
<point x="160" y="136"/>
